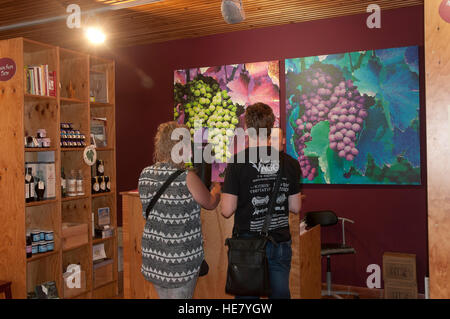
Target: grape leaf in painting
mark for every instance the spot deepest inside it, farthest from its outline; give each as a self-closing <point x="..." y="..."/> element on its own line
<point x="318" y="147"/>
<point x="376" y="139"/>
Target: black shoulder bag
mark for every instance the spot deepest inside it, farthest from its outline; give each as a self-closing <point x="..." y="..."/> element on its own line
<point x="204" y="268"/>
<point x="161" y="191"/>
<point x="248" y="270"/>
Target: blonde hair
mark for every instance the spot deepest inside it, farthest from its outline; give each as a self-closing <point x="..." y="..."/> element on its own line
<point x="164" y="143"/>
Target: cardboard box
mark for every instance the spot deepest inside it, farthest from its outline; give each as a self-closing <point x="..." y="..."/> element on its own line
<point x="74" y="235"/>
<point x="70" y="292"/>
<point x="400" y="290"/>
<point x="49" y="176"/>
<point x="399" y="267"/>
<point x="103" y="217"/>
<point x="103" y="272"/>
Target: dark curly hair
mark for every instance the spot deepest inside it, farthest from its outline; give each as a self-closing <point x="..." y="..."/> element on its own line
<point x="259" y="115"/>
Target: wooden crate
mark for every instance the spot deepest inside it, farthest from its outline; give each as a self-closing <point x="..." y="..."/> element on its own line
<point x="74" y="235"/>
<point x="103" y="272"/>
<point x="400" y="290"/>
<point x="70" y="292"/>
<point x="399" y="267"/>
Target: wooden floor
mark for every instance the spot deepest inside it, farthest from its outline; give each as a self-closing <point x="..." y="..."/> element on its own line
<point x="364" y="293"/>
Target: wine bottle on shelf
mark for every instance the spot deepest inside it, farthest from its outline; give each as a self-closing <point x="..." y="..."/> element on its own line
<point x="100" y="168"/>
<point x="27" y="186"/>
<point x="40" y="187"/>
<point x="31" y="186"/>
<point x="63" y="183"/>
<point x="95" y="185"/>
<point x="72" y="184"/>
<point x="108" y="184"/>
<point x="80" y="186"/>
<point x="102" y="184"/>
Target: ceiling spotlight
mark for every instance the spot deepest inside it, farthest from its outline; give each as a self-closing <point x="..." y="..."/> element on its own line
<point x="95" y="35"/>
<point x="233" y="11"/>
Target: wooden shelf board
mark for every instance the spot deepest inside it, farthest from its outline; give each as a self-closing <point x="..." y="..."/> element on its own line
<point x="72" y="149"/>
<point x="96" y="72"/>
<point x="71" y="100"/>
<point x="101" y="149"/>
<point x="105" y="284"/>
<point x="42" y="255"/>
<point x="39" y="45"/>
<point x="40" y="149"/>
<point x="70" y="198"/>
<point x="96" y="241"/>
<point x="75" y="247"/>
<point x="41" y="97"/>
<point x="78" y="294"/>
<point x="42" y="202"/>
<point x="64" y="53"/>
<point x="101" y="104"/>
<point x="102" y="194"/>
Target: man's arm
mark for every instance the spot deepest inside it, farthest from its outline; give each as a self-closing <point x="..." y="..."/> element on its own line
<point x="228" y="204"/>
<point x="230" y="190"/>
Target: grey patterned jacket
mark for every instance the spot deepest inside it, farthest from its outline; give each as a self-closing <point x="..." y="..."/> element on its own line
<point x="172" y="242"/>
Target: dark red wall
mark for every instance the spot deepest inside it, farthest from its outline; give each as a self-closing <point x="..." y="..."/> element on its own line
<point x="388" y="218"/>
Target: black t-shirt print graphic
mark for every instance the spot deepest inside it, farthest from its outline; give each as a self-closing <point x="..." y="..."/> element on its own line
<point x="253" y="182"/>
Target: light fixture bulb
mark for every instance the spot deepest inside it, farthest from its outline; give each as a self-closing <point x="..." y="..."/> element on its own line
<point x="95" y="35"/>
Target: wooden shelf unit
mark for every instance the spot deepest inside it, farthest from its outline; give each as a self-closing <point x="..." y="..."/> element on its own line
<point x="22" y="115"/>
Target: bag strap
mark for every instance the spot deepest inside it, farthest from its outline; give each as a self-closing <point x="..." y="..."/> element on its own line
<point x="276" y="187"/>
<point x="161" y="191"/>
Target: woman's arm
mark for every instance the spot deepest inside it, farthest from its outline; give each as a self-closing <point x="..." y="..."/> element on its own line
<point x="205" y="198"/>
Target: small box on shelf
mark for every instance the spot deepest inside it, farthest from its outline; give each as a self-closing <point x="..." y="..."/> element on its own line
<point x="98" y="131"/>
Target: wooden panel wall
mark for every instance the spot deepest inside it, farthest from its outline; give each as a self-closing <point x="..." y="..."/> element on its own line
<point x="12" y="192"/>
<point x="437" y="54"/>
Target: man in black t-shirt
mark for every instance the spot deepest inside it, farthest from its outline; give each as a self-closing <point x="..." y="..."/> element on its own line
<point x="247" y="189"/>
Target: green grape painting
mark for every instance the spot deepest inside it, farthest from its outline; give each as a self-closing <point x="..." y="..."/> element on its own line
<point x="215" y="98"/>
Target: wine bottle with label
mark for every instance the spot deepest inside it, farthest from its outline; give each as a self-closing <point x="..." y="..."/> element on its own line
<point x="31" y="186"/>
<point x="95" y="185"/>
<point x="27" y="186"/>
<point x="40" y="187"/>
<point x="102" y="184"/>
<point x="100" y="168"/>
<point x="108" y="184"/>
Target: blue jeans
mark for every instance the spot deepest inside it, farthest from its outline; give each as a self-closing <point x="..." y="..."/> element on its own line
<point x="279" y="260"/>
<point x="184" y="292"/>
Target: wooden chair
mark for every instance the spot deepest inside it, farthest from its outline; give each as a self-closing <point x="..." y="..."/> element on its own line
<point x="5" y="287"/>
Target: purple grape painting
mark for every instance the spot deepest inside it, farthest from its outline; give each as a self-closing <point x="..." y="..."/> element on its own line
<point x="216" y="98"/>
<point x="353" y="118"/>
